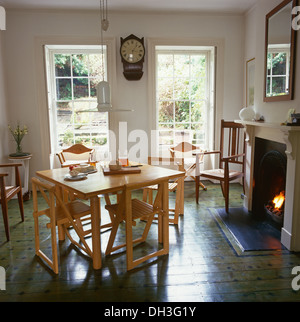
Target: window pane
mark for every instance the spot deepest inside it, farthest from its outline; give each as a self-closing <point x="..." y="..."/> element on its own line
<point x="62" y="65"/>
<point x="166" y="112"/>
<point x="165" y="66"/>
<point x="166" y="138"/>
<point x="93" y="84"/>
<point x="197" y="111"/>
<point x="181" y="65"/>
<point x="99" y="139"/>
<point x="181" y="89"/>
<point x="165" y="89"/>
<point x="181" y="136"/>
<point x="81" y="88"/>
<point x="198" y="89"/>
<point x="80" y="65"/>
<point x="65" y="135"/>
<point x="279" y="85"/>
<point x="63" y="89"/>
<point x="279" y="64"/>
<point x="99" y="122"/>
<point x="95" y="64"/>
<point x="198" y="135"/>
<point x="182" y="112"/>
<point x="64" y="111"/>
<point x="81" y="118"/>
<point x="198" y="66"/>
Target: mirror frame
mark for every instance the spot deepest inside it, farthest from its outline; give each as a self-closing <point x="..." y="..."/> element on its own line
<point x="290" y="95"/>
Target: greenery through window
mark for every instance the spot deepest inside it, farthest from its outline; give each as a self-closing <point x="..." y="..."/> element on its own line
<point x="278" y="72"/>
<point x="74" y="76"/>
<point x="182" y="96"/>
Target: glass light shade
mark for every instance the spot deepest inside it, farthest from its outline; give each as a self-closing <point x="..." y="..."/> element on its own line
<point x="103" y="96"/>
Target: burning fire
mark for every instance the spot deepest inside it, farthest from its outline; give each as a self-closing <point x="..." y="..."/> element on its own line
<point x="275" y="209"/>
<point x="279" y="200"/>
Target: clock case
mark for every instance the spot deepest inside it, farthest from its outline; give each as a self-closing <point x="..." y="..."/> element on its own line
<point x="132" y="71"/>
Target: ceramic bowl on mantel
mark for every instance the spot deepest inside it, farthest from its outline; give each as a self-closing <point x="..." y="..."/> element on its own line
<point x="247" y="114"/>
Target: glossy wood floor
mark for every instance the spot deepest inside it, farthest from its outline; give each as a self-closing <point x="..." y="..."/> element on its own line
<point x="202" y="266"/>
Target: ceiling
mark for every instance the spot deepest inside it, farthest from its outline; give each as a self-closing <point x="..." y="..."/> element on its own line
<point x="216" y="6"/>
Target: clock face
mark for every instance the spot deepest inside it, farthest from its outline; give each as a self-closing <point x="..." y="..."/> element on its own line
<point x="132" y="51"/>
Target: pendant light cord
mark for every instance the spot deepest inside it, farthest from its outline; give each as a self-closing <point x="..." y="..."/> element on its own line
<point x="103" y="17"/>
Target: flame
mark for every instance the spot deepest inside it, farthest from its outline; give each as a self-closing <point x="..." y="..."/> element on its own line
<point x="279" y="200"/>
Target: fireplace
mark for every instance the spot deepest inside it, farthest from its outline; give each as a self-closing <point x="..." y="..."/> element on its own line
<point x="289" y="139"/>
<point x="269" y="181"/>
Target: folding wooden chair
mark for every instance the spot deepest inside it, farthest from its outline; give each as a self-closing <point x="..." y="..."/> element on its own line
<point x="129" y="211"/>
<point x="177" y="186"/>
<point x="62" y="215"/>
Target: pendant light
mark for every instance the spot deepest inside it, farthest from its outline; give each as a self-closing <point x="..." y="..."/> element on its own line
<point x="103" y="88"/>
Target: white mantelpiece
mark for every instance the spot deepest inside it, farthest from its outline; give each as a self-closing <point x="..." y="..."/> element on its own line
<point x="289" y="135"/>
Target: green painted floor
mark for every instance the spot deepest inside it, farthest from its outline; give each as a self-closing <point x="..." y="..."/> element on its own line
<point x="202" y="266"/>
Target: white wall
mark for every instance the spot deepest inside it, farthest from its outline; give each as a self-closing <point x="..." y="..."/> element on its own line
<point x="26" y="29"/>
<point x="274" y="112"/>
<point x="4" y="135"/>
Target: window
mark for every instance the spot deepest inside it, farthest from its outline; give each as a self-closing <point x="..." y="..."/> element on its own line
<point x="183" y="95"/>
<point x="278" y="70"/>
<point x="73" y="74"/>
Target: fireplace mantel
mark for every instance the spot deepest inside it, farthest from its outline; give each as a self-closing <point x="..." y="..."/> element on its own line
<point x="290" y="136"/>
<point x="280" y="133"/>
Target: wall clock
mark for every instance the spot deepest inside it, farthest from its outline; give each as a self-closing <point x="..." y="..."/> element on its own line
<point x="132" y="52"/>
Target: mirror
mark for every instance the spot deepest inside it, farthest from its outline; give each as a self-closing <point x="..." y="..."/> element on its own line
<point x="279" y="53"/>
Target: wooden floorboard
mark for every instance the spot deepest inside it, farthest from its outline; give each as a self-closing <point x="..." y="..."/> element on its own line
<point x="202" y="266"/>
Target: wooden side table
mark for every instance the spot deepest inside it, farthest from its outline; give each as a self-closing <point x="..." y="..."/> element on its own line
<point x="24" y="173"/>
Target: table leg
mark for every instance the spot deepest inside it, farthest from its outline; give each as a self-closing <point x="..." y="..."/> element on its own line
<point x="165" y="219"/>
<point x="95" y="221"/>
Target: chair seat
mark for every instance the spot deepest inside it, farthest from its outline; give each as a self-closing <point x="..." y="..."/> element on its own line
<point x="139" y="209"/>
<point x="76" y="208"/>
<point x="10" y="191"/>
<point x="219" y="173"/>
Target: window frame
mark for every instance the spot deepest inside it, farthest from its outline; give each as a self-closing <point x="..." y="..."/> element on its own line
<point x="278" y="49"/>
<point x="216" y="49"/>
<point x="190" y="50"/>
<point x="50" y="51"/>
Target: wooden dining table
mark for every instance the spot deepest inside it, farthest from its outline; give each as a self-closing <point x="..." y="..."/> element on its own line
<point x="98" y="183"/>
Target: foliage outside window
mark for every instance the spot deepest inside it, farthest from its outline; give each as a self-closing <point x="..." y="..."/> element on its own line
<point x="75" y="74"/>
<point x="278" y="72"/>
<point x="182" y="97"/>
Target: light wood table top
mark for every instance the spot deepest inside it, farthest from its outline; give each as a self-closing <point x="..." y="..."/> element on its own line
<point x="98" y="183"/>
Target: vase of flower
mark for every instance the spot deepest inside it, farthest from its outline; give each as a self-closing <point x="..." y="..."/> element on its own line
<point x="18" y="134"/>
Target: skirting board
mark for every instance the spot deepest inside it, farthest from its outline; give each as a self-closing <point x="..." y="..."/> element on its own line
<point x="286" y="239"/>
